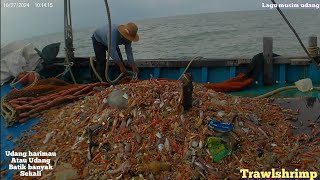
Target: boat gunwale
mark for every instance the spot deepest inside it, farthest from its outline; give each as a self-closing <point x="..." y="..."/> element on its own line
<point x="201" y="62"/>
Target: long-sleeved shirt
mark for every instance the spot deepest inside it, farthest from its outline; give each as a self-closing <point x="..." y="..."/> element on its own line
<point x="101" y="35"/>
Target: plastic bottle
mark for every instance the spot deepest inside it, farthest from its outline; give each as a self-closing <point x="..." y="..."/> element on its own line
<point x="220" y="126"/>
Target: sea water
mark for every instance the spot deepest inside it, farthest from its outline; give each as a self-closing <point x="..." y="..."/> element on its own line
<point x="211" y="35"/>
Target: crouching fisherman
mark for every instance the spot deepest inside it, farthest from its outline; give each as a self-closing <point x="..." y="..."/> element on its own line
<point x="120" y="35"/>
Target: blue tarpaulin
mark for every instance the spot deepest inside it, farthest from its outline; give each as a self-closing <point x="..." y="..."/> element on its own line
<point x="15" y="131"/>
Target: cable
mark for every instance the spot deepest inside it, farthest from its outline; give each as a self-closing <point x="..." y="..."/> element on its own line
<point x="109" y="49"/>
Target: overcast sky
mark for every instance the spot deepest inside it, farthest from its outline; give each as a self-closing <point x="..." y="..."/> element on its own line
<point x="21" y="23"/>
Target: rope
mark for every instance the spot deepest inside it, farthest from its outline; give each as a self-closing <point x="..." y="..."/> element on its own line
<point x="295" y="33"/>
<point x="276" y="91"/>
<point x="188" y="66"/>
<point x="8" y="116"/>
<point x="36" y="78"/>
<point x="314" y="51"/>
<point x="67" y="68"/>
<point x="134" y="75"/>
<point x="99" y="77"/>
<point x="68" y="36"/>
<point x="94" y="69"/>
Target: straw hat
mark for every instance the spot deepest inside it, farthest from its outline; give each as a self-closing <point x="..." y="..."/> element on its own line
<point x="129" y="31"/>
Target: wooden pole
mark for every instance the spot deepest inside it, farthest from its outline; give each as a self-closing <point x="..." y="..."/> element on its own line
<point x="268" y="60"/>
<point x="313" y="46"/>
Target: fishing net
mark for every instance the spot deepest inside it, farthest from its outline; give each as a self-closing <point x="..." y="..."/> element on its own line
<point x="29" y="102"/>
<point x="21" y="105"/>
<point x="237" y="83"/>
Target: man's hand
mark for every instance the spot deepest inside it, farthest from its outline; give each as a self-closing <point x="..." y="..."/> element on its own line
<point x="123" y="69"/>
<point x="135" y="68"/>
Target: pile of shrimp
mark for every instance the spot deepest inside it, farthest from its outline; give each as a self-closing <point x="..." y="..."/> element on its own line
<point x="152" y="137"/>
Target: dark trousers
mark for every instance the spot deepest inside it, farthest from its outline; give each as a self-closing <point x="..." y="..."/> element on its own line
<point x="100" y="53"/>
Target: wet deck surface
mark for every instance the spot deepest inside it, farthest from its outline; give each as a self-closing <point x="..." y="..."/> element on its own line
<point x="309" y="112"/>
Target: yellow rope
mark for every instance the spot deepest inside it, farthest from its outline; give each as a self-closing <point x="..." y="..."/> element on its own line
<point x="276" y="91"/>
<point x="187" y="67"/>
<point x="7" y="112"/>
<point x="314" y="51"/>
<point x="94" y="69"/>
<point x="4" y="111"/>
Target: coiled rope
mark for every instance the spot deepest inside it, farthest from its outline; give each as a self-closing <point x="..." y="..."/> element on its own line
<point x="7" y="112"/>
<point x="314" y="51"/>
